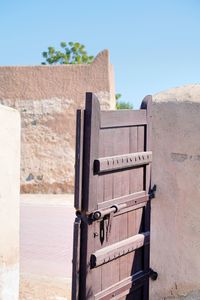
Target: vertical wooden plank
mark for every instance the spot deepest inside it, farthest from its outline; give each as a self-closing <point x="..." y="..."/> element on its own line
<point x="121" y="146"/>
<point x="135" y="183"/>
<point x="110" y="271"/>
<point x="133" y="148"/>
<point x="107" y="135"/>
<point x="76" y="260"/>
<point x="77" y="205"/>
<point x="100" y="184"/>
<point x="121" y="188"/>
<point x="97" y="273"/>
<point x="138" y="264"/>
<point x="118" y="140"/>
<point x="123" y="230"/>
<point x="89" y="197"/>
<point x="78" y="159"/>
<point x="109" y="274"/>
<point x="108" y="184"/>
<point x="123" y="233"/>
<point x="140" y="147"/>
<point x="134" y="227"/>
<point x="147" y="104"/>
<point x="131" y="228"/>
<point x="139" y="254"/>
<point x="91" y="152"/>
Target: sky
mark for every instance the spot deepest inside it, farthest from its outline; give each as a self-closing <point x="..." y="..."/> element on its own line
<point x="154" y="45"/>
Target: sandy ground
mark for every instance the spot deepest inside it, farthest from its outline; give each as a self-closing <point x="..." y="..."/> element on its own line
<point x="46" y="240"/>
<point x="34" y="287"/>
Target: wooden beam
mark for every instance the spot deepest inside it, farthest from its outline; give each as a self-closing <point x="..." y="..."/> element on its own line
<point x="112" y="163"/>
<point x="123" y="287"/>
<point x="118" y="249"/>
<point x="130" y="200"/>
<point x="76" y="259"/>
<point x="79" y="159"/>
<point x="123" y="118"/>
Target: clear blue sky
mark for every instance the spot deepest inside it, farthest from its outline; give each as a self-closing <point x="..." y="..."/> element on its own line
<point x="154" y="45"/>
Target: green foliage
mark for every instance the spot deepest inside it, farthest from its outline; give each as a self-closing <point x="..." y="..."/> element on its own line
<point x="75" y="53"/>
<point x="71" y="53"/>
<point x="122" y="104"/>
<point x="118" y="96"/>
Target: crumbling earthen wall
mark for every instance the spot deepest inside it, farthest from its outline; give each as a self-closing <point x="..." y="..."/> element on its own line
<point x="9" y="203"/>
<point x="175" y="231"/>
<point x="47" y="98"/>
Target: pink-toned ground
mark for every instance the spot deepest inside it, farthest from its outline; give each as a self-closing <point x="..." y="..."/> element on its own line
<point x="46" y="240"/>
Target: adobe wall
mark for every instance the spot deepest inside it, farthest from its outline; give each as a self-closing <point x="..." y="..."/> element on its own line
<point x="175" y="237"/>
<point x="47" y="98"/>
<point x="9" y="202"/>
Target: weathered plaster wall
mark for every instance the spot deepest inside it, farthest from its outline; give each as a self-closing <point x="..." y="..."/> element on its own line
<point x="47" y="98"/>
<point x="175" y="248"/>
<point x="9" y="203"/>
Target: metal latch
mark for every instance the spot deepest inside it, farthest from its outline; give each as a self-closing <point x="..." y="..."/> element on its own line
<point x="104" y="217"/>
<point x="100" y="214"/>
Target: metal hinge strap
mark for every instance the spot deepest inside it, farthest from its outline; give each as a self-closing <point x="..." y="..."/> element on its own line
<point x="152" y="193"/>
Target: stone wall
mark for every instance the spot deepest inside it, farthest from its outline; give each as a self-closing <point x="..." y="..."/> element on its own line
<point x="175" y="239"/>
<point x="9" y="203"/>
<point x="47" y="98"/>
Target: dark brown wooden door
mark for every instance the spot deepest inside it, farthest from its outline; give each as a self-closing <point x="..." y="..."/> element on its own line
<point x="112" y="200"/>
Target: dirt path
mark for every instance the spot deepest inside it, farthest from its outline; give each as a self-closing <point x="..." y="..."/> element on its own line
<point x="46" y="243"/>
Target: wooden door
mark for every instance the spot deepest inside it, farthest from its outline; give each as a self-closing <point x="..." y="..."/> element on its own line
<point x="112" y="201"/>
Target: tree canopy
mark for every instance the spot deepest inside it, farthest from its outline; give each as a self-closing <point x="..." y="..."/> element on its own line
<point x="69" y="53"/>
<point x="75" y="53"/>
<point x="122" y="104"/>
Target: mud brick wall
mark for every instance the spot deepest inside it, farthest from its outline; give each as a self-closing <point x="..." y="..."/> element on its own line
<point x="47" y="98"/>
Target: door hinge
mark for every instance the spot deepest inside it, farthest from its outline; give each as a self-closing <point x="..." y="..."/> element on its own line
<point x="84" y="217"/>
<point x="152" y="193"/>
<point x="153" y="274"/>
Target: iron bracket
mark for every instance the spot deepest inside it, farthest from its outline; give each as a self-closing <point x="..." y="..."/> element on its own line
<point x="153" y="274"/>
<point x="83" y="217"/>
<point x="152" y="193"/>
